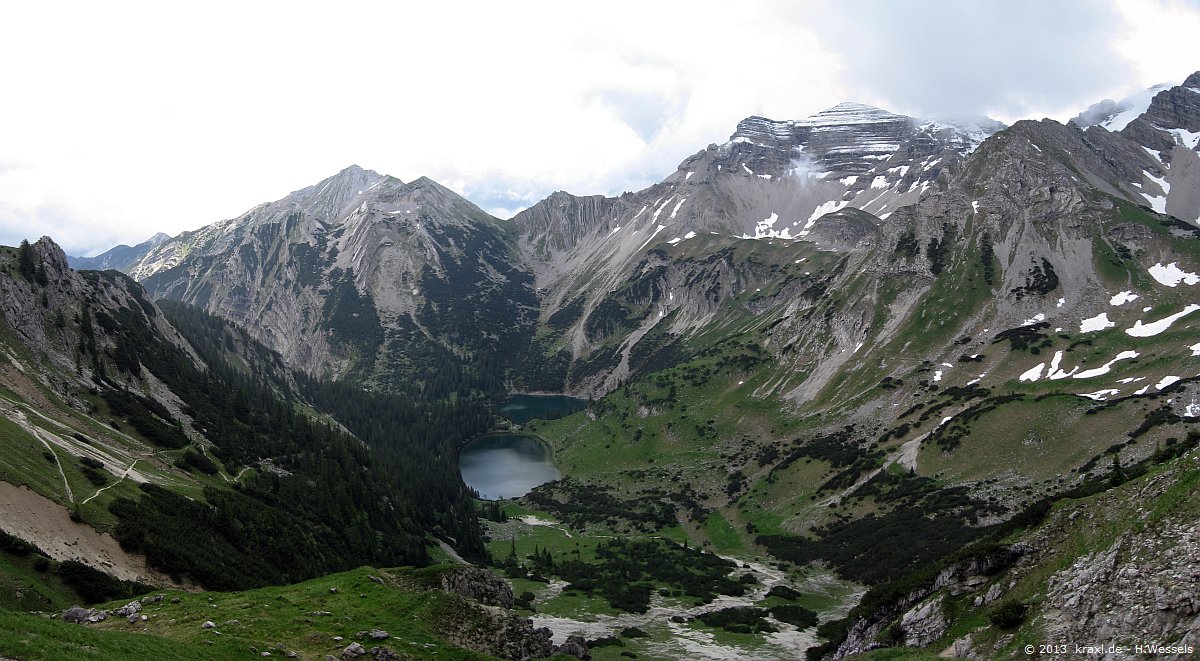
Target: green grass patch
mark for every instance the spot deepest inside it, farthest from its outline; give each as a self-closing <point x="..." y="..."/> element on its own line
<point x="26" y="461"/>
<point x="722" y="535"/>
<point x="27" y="636"/>
<point x="289" y="618"/>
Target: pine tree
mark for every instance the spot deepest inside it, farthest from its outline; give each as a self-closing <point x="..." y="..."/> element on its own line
<point x="25" y="261"/>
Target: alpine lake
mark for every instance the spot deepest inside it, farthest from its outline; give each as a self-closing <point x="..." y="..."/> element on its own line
<point x="509" y="465"/>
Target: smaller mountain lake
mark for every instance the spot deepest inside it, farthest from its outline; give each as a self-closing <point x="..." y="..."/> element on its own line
<point x="523" y="408"/>
<point x="506" y="465"/>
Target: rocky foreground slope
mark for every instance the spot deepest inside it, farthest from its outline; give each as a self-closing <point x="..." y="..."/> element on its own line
<point x="1116" y="569"/>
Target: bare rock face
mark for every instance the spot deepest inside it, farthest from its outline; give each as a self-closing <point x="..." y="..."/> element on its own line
<point x="924" y="624"/>
<point x="1143" y="591"/>
<point x="964" y="648"/>
<point x="478" y="584"/>
<point x="504" y="635"/>
<point x="846" y="230"/>
<point x="921" y="619"/>
<point x="42" y="310"/>
<point x="574" y="646"/>
<point x="851" y="138"/>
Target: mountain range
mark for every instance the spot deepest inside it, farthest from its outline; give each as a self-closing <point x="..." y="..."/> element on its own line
<point x="876" y="343"/>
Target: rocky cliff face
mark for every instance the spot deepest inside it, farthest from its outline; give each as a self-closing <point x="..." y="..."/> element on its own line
<point x="1169" y="131"/>
<point x="1141" y="588"/>
<point x="61" y="310"/>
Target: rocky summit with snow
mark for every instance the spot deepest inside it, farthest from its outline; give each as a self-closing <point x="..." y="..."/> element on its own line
<point x="892" y="382"/>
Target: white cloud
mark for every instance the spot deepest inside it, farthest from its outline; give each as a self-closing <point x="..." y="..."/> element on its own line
<point x="133" y="118"/>
<point x="1166" y="31"/>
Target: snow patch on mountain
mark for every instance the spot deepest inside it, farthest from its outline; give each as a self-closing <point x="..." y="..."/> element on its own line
<point x="1121" y="298"/>
<point x="656" y="231"/>
<point x="764" y="229"/>
<point x="1186" y="138"/>
<point x="1106" y="367"/>
<point x="1161" y="181"/>
<point x="1096" y="323"/>
<point x="826" y="207"/>
<point x="1166" y="381"/>
<point x="1171" y="275"/>
<point x="685" y="237"/>
<point x="1054" y="373"/>
<point x="1100" y="395"/>
<point x="1157" y="202"/>
<point x="1154" y="328"/>
<point x="1033" y="373"/>
<point x="677" y="205"/>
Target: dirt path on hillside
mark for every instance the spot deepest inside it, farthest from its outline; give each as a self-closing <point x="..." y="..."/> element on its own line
<point x="47" y="524"/>
<point x="57" y="461"/>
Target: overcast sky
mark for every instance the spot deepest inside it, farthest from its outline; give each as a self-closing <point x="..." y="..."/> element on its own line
<point x="121" y="119"/>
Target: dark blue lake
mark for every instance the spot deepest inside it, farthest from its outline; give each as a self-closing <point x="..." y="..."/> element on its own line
<point x="523" y="408"/>
<point x="506" y="465"/>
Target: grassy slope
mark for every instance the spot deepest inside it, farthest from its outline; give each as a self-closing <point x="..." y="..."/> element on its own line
<point x="275" y="619"/>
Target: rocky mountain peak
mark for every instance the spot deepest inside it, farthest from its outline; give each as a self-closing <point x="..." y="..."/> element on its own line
<point x="851" y="113"/>
<point x="50" y="254"/>
<point x="762" y="131"/>
<point x="1175" y="108"/>
<point x="421" y="199"/>
<point x="425" y="186"/>
<point x="768" y="132"/>
<point x="332" y="195"/>
<point x="848" y="141"/>
<point x="47" y="244"/>
<point x="1162" y="125"/>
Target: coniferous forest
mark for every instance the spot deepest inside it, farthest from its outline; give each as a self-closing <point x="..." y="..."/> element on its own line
<point x="326" y="501"/>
